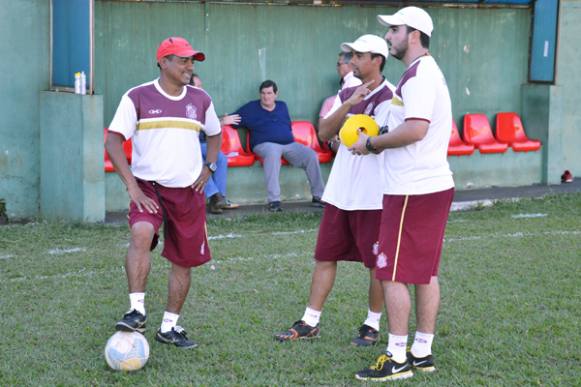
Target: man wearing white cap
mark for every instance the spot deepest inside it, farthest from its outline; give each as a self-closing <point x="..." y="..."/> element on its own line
<point x="418" y="192"/>
<point x="350" y="224"/>
<point x="166" y="181"/>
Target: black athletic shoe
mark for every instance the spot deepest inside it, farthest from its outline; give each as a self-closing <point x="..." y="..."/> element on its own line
<point x="317" y="202"/>
<point x="132" y="321"/>
<point x="299" y="331"/>
<point x="274" y="207"/>
<point x="177" y="336"/>
<point x="385" y="369"/>
<point x="367" y="336"/>
<point x="422" y="364"/>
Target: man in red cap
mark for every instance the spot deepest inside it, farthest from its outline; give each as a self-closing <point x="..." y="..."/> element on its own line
<point x="166" y="180"/>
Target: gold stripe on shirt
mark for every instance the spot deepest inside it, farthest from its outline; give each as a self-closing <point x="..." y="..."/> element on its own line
<point x="396" y="101"/>
<point x="169" y="124"/>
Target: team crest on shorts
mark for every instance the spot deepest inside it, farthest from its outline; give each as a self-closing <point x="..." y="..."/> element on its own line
<point x="191" y="112"/>
<point x="381" y="261"/>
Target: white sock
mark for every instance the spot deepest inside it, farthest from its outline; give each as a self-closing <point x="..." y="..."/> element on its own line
<point x="311" y="316"/>
<point x="137" y="301"/>
<point x="373" y="319"/>
<point x="396" y="345"/>
<point x="169" y="321"/>
<point x="422" y="345"/>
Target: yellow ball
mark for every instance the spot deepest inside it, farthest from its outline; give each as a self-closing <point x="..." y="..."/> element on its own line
<point x="348" y="133"/>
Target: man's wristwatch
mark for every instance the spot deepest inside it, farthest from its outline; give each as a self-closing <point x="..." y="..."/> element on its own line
<point x="211" y="166"/>
<point x="369" y="146"/>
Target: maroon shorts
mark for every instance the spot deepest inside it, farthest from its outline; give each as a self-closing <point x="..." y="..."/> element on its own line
<point x="348" y="235"/>
<point x="411" y="236"/>
<point x="183" y="214"/>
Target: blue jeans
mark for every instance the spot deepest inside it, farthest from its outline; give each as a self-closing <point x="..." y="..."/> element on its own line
<point x="217" y="183"/>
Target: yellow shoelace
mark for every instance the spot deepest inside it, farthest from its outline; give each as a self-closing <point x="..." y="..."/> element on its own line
<point x="381" y="360"/>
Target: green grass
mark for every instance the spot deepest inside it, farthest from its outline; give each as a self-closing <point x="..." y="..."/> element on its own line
<point x="510" y="312"/>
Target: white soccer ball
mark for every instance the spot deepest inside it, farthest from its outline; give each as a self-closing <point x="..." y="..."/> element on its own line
<point x="127" y="351"/>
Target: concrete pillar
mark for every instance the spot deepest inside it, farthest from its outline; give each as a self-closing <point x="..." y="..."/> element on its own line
<point x="72" y="179"/>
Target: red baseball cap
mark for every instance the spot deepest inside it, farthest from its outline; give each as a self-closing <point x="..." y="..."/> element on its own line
<point x="174" y="45"/>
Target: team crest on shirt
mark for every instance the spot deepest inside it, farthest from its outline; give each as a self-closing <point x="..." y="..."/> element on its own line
<point x="191" y="112"/>
<point x="369" y="108"/>
<point x="381" y="261"/>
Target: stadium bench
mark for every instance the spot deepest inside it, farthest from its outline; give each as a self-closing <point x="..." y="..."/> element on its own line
<point x="127" y="149"/>
<point x="509" y="128"/>
<point x="477" y="132"/>
<point x="304" y="133"/>
<point x="232" y="148"/>
<point x="456" y="146"/>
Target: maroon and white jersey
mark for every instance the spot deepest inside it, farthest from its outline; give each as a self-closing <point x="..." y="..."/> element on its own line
<point x="421" y="167"/>
<point x="165" y="132"/>
<point x="355" y="182"/>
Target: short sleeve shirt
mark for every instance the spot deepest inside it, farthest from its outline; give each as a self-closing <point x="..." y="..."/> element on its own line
<point x="165" y="132"/>
<point x="421" y="167"/>
<point x="355" y="182"/>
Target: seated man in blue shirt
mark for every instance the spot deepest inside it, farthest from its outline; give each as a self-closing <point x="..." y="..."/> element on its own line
<point x="271" y="138"/>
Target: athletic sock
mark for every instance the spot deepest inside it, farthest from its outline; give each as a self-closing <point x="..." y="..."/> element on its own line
<point x="169" y="321"/>
<point x="137" y="301"/>
<point x="373" y="319"/>
<point x="422" y="345"/>
<point x="311" y="316"/>
<point x="396" y="346"/>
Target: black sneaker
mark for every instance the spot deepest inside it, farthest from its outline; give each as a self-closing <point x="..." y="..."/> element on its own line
<point x="422" y="364"/>
<point x="386" y="369"/>
<point x="367" y="336"/>
<point x="177" y="336"/>
<point x="132" y="321"/>
<point x="317" y="202"/>
<point x="274" y="207"/>
<point x="299" y="331"/>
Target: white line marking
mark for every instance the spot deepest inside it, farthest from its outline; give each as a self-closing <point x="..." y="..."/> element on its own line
<point x="526" y="216"/>
<point x="514" y="235"/>
<point x="71" y="250"/>
<point x="7" y="256"/>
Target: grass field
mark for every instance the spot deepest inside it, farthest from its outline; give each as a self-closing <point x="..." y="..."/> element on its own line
<point x="510" y="314"/>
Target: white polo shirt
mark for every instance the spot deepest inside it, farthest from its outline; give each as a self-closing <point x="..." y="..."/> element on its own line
<point x="421" y="167"/>
<point x="165" y="132"/>
<point x="354" y="182"/>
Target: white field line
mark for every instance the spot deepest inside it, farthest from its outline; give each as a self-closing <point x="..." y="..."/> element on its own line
<point x="70" y="250"/>
<point x="92" y="273"/>
<point x="7" y="256"/>
<point x="514" y="235"/>
<point x="527" y="216"/>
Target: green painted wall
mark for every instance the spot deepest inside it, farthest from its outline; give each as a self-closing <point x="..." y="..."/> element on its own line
<point x="72" y="179"/>
<point x="24" y="71"/>
<point x="483" y="52"/>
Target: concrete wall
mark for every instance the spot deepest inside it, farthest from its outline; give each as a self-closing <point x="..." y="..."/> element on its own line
<point x="72" y="179"/>
<point x="564" y="117"/>
<point x="24" y="71"/>
<point x="482" y="51"/>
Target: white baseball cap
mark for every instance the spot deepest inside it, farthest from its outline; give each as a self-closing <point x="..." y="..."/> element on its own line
<point x="410" y="16"/>
<point x="367" y="43"/>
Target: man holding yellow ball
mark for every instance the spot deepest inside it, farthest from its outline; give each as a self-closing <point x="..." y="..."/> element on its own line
<point x="350" y="225"/>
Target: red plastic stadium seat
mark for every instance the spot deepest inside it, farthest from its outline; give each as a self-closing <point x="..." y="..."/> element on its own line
<point x="232" y="148"/>
<point x="477" y="132"/>
<point x="304" y="133"/>
<point x="456" y="146"/>
<point x="509" y="129"/>
<point x="127" y="149"/>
